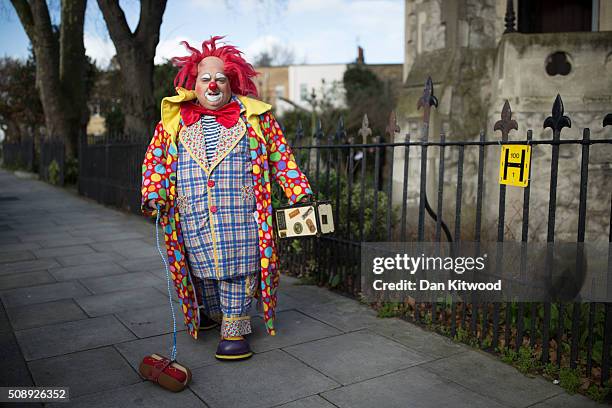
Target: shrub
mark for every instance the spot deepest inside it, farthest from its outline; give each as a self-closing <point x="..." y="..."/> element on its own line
<point x="569" y="379"/>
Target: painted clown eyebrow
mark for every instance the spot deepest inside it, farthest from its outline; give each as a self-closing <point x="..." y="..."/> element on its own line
<point x="206" y="76"/>
<point x="220" y="75"/>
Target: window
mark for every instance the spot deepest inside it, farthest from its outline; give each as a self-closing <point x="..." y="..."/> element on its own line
<point x="303" y="92"/>
<point x="554" y="16"/>
<point x="279" y="91"/>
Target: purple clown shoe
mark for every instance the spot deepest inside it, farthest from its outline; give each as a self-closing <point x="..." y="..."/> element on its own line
<point x="233" y="348"/>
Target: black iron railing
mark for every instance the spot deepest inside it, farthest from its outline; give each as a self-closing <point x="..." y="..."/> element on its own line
<point x="52" y="161"/>
<point x="110" y="170"/>
<point x="19" y="154"/>
<point x="359" y="180"/>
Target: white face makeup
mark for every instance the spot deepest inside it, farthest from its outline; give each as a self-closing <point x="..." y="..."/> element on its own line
<point x="212" y="87"/>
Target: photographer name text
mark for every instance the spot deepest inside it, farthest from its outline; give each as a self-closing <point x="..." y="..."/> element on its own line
<point x="425" y="285"/>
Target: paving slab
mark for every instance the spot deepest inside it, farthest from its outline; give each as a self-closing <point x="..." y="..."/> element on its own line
<point x="122" y="236"/>
<point x="101" y="229"/>
<point x="87" y="259"/>
<point x="106" y="303"/>
<point x="64" y="242"/>
<point x="8" y="239"/>
<point x="124" y="281"/>
<point x="69" y="337"/>
<point x="292" y="327"/>
<point x="82" y="272"/>
<point x="42" y="293"/>
<point x="16" y="256"/>
<point x="565" y="400"/>
<point x="418" y="339"/>
<point x="47" y="236"/>
<point x="153" y="264"/>
<point x="36" y="226"/>
<point x="344" y="314"/>
<point x="104" y="226"/>
<point x="309" y="402"/>
<point x="62" y="251"/>
<point x="151" y="321"/>
<point x="42" y="314"/>
<point x="5" y="323"/>
<point x="85" y="372"/>
<point x="284" y="302"/>
<point x="20" y="280"/>
<point x="162" y="287"/>
<point x="129" y="249"/>
<point x="14" y="369"/>
<point x="27" y="266"/>
<point x="145" y="394"/>
<point x="286" y="380"/>
<point x="492" y="378"/>
<point x="4" y="248"/>
<point x="356" y="356"/>
<point x="309" y="294"/>
<point x="190" y="352"/>
<point x="413" y="387"/>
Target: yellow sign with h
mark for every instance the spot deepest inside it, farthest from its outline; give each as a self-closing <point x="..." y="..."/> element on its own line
<point x="514" y="165"/>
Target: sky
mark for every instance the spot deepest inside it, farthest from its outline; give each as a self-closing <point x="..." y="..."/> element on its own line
<point x="317" y="31"/>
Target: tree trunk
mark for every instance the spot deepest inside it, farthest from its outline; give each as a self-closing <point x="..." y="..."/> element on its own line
<point x="60" y="67"/>
<point x="72" y="70"/>
<point x="135" y="53"/>
<point x="138" y="98"/>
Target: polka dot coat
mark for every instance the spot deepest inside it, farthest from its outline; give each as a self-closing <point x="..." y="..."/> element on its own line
<point x="272" y="161"/>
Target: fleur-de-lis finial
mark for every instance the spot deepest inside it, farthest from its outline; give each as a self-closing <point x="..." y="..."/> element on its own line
<point x="365" y="130"/>
<point x="299" y="131"/>
<point x="318" y="129"/>
<point x="392" y="126"/>
<point x="506" y="124"/>
<point x="510" y="17"/>
<point x="557" y="120"/>
<point x="607" y="120"/>
<point x="340" y="131"/>
<point x="427" y="100"/>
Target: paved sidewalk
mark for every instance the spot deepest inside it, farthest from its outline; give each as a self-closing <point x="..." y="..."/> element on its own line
<point x="69" y="269"/>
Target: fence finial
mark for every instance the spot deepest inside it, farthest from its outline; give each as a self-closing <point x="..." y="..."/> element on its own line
<point x="365" y="130"/>
<point x="340" y="131"/>
<point x="557" y="120"/>
<point x="510" y="17"/>
<point x="299" y="132"/>
<point x="318" y="135"/>
<point x="427" y="100"/>
<point x="506" y="124"/>
<point x="392" y="126"/>
<point x="607" y="120"/>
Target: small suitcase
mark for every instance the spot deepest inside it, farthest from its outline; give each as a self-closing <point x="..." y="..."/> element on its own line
<point x="301" y="220"/>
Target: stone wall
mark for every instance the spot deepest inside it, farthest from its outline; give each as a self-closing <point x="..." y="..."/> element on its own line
<point x="520" y="76"/>
<point x="475" y="68"/>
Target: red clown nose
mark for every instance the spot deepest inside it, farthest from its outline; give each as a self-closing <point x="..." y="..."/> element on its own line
<point x="213" y="86"/>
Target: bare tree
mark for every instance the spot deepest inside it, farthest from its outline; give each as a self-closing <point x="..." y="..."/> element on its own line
<point x="135" y="52"/>
<point x="60" y="66"/>
<point x="275" y="55"/>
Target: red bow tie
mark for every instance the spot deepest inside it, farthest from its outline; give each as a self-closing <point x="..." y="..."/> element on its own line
<point x="227" y="115"/>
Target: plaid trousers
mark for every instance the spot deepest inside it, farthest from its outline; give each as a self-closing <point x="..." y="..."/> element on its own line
<point x="228" y="301"/>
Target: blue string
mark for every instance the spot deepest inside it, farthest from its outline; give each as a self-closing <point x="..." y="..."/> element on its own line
<point x="173" y="352"/>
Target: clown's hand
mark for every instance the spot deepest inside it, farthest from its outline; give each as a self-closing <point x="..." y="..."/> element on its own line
<point x="308" y="198"/>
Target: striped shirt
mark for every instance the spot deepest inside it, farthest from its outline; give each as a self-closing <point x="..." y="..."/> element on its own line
<point x="212" y="130"/>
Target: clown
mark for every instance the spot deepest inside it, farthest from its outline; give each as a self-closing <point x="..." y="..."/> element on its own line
<point x="208" y="170"/>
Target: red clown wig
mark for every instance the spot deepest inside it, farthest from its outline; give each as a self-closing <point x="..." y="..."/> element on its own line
<point x="238" y="71"/>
